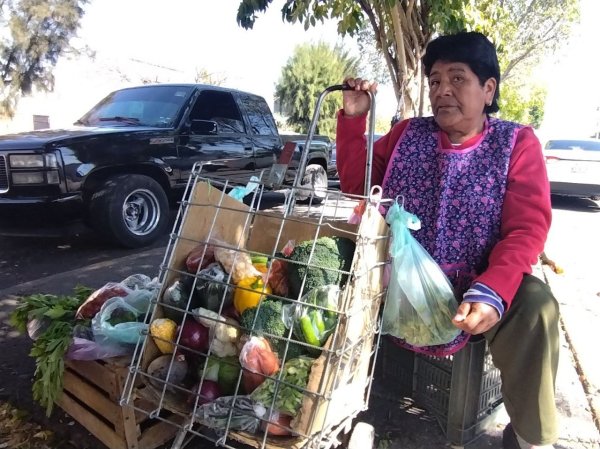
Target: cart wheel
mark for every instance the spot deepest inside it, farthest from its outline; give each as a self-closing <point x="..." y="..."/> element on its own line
<point x="363" y="437"/>
<point x="315" y="181"/>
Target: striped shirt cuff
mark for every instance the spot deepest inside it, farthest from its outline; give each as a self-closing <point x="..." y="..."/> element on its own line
<point x="482" y="293"/>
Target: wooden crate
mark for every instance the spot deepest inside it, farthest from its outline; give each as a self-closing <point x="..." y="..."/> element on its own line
<point x="91" y="394"/>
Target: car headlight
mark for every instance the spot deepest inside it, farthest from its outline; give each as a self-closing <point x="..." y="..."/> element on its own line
<point x="33" y="160"/>
<point x="27" y="160"/>
<point x="28" y="178"/>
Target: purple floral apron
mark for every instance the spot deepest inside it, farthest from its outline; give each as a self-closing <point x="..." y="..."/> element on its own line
<point x="457" y="195"/>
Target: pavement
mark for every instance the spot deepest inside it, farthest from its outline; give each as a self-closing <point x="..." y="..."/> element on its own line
<point x="397" y="425"/>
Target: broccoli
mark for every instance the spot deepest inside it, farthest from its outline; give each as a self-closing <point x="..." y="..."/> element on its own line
<point x="270" y="320"/>
<point x="330" y="255"/>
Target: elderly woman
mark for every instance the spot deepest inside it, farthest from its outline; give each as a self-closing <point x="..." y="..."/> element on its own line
<point x="479" y="186"/>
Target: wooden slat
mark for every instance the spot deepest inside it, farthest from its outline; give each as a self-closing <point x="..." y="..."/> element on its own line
<point x="128" y="427"/>
<point x="93" y="424"/>
<point x="97" y="374"/>
<point x="92" y="397"/>
<point x="157" y="434"/>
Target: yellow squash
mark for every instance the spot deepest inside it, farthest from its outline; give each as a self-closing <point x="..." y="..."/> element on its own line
<point x="164" y="331"/>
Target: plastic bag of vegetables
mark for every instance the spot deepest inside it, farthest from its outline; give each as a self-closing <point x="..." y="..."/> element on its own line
<point x="314" y="320"/>
<point x="212" y="289"/>
<point x="117" y="320"/>
<point x="290" y="391"/>
<point x="420" y="301"/>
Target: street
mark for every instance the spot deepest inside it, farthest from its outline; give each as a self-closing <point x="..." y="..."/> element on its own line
<point x="573" y="244"/>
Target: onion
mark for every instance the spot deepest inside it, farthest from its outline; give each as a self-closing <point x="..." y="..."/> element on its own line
<point x="279" y="426"/>
<point x="194" y="336"/>
<point x="209" y="391"/>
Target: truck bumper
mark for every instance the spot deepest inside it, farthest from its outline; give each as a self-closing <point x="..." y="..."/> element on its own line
<point x="40" y="216"/>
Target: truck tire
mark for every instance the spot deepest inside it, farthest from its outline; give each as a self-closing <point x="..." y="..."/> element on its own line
<point x="131" y="210"/>
<point x="315" y="182"/>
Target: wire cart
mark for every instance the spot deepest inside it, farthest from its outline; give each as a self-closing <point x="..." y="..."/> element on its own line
<point x="311" y="407"/>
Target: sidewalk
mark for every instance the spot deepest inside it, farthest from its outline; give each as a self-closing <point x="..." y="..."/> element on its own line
<point x="398" y="428"/>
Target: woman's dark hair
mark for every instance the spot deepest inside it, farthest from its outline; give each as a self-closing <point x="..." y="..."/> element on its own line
<point x="471" y="48"/>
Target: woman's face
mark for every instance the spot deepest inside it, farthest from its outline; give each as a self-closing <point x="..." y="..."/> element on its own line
<point x="457" y="98"/>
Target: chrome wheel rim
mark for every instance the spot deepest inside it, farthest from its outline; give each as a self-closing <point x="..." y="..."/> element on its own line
<point x="141" y="212"/>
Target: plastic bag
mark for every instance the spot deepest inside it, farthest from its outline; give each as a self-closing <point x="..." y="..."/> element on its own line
<point x="239" y="192"/>
<point x="313" y="325"/>
<point x="83" y="346"/>
<point x="215" y="415"/>
<point x="177" y="295"/>
<point x="117" y="319"/>
<point x="257" y="360"/>
<point x="211" y="288"/>
<point x="237" y="263"/>
<point x="96" y="300"/>
<point x="420" y="301"/>
<point x="200" y="257"/>
<point x="141" y="282"/>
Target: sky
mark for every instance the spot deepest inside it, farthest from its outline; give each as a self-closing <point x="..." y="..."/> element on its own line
<point x="571" y="79"/>
<point x="170" y="40"/>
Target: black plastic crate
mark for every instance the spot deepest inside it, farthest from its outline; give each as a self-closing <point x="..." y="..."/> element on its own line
<point x="462" y="391"/>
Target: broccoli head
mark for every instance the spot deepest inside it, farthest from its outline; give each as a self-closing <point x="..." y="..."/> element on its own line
<point x="330" y="256"/>
<point x="270" y="321"/>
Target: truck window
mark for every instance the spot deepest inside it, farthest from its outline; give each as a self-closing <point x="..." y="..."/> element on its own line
<point x="219" y="107"/>
<point x="259" y="115"/>
<point x="151" y="105"/>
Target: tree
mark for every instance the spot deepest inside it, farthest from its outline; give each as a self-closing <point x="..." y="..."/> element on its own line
<point x="36" y="34"/>
<point x="310" y="68"/>
<point x="523" y="103"/>
<point x="523" y="30"/>
<point x="203" y="76"/>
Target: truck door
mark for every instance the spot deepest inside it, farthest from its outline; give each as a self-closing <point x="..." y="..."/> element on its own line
<point x="215" y="134"/>
<point x="263" y="131"/>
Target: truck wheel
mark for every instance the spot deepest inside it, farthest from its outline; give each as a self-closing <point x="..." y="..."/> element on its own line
<point x="132" y="210"/>
<point x="315" y="181"/>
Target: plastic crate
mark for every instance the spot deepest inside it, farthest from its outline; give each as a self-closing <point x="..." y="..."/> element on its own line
<point x="462" y="391"/>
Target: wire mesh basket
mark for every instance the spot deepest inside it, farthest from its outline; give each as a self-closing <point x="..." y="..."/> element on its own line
<point x="336" y="385"/>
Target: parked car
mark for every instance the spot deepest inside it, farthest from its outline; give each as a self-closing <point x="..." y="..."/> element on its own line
<point x="573" y="167"/>
<point x="125" y="162"/>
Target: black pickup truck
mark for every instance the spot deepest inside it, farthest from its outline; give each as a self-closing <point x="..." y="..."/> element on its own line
<point x="125" y="163"/>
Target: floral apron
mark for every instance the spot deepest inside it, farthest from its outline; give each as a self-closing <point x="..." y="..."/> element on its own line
<point x="457" y="195"/>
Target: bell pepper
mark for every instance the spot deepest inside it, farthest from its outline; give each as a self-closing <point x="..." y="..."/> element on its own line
<point x="260" y="263"/>
<point x="249" y="292"/>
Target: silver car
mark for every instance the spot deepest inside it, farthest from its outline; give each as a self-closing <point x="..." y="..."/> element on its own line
<point x="574" y="167"/>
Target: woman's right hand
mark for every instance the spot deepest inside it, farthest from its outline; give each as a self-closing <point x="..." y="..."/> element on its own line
<point x="357" y="101"/>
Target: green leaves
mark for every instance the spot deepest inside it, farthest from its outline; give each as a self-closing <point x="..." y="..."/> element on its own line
<point x="522" y="30"/>
<point x="50" y="347"/>
<point x="35" y="35"/>
<point x="310" y="69"/>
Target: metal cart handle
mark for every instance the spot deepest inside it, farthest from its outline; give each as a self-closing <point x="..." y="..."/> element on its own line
<point x="313" y="127"/>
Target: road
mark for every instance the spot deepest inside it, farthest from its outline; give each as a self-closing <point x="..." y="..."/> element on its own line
<point x="573" y="243"/>
<point x="26" y="259"/>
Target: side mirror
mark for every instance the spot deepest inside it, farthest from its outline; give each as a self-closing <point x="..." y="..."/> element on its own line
<point x="203" y="127"/>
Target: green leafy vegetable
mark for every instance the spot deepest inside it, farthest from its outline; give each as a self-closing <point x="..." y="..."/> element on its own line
<point x="50" y="347"/>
